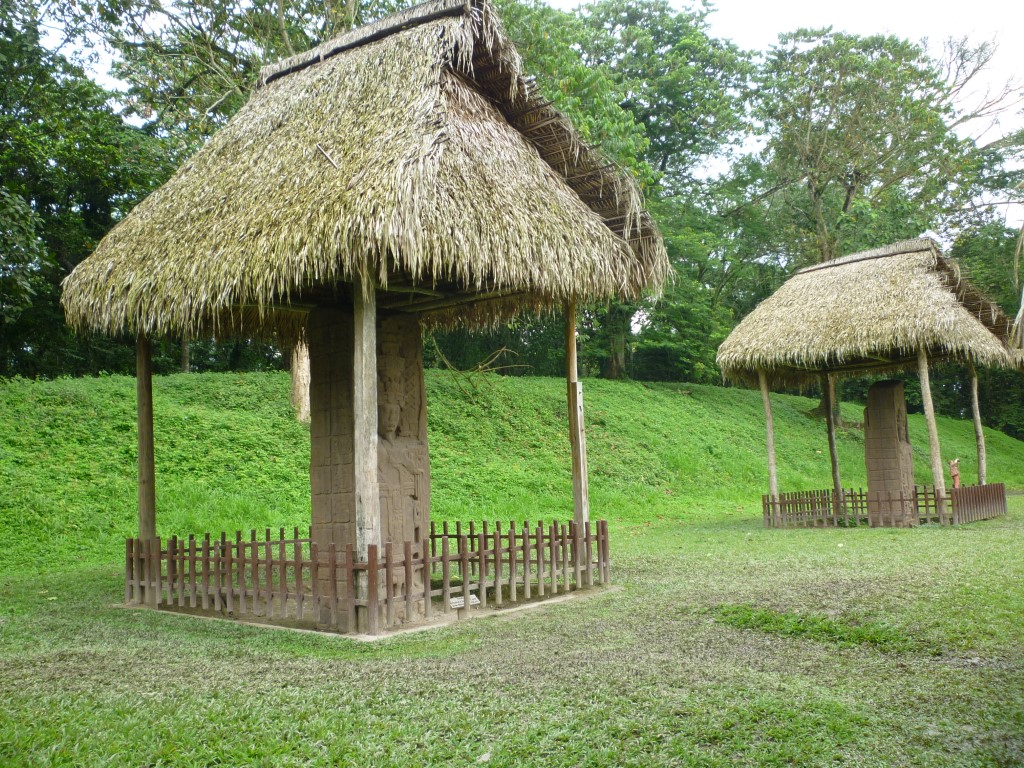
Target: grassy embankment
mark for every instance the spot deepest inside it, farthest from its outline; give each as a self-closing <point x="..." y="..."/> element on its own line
<point x="726" y="643"/>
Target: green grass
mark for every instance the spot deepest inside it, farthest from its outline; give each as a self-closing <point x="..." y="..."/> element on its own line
<point x="723" y="644"/>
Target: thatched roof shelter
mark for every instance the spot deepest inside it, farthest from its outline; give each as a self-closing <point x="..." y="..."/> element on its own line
<point x="404" y="172"/>
<point x="413" y="151"/>
<point x="870" y="311"/>
<point x="883" y="310"/>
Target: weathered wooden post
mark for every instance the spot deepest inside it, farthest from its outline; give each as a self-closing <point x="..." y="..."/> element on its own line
<point x="144" y="404"/>
<point x="938" y="478"/>
<point x="979" y="433"/>
<point x="828" y="386"/>
<point x="577" y="428"/>
<point x="773" y="477"/>
<point x="364" y="407"/>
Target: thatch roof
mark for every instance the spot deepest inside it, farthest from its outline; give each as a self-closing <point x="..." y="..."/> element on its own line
<point x="867" y="312"/>
<point x="412" y="150"/>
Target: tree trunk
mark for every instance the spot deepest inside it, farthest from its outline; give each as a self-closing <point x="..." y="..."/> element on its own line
<point x="617" y="329"/>
<point x="617" y="360"/>
<point x="300" y="381"/>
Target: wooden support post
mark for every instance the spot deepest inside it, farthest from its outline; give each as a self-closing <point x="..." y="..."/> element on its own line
<point x="147" y="471"/>
<point x="577" y="428"/>
<point x="938" y="477"/>
<point x="364" y="407"/>
<point x="828" y="386"/>
<point x="364" y="411"/>
<point x="979" y="433"/>
<point x="773" y="477"/>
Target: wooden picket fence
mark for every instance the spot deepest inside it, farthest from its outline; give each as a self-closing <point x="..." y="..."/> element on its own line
<point x="290" y="581"/>
<point x="817" y="509"/>
<point x="978" y="502"/>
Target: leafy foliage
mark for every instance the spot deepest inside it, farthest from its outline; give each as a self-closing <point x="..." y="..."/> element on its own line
<point x="70" y="168"/>
<point x="861" y="142"/>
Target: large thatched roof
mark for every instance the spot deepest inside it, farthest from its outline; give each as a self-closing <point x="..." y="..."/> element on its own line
<point x="412" y="150"/>
<point x="868" y="311"/>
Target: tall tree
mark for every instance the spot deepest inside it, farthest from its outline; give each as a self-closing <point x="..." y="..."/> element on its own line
<point x="684" y="88"/>
<point x="861" y="139"/>
<point x="69" y="168"/>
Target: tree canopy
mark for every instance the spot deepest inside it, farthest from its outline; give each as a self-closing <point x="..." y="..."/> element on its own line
<point x="753" y="163"/>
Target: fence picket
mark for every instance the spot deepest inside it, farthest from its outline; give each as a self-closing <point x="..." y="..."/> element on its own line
<point x="407" y="566"/>
<point x="332" y="587"/>
<point x="497" y="562"/>
<point x="389" y="585"/>
<point x="372" y="590"/>
<point x="314" y="579"/>
<point x="464" y="575"/>
<point x="446" y="587"/>
<point x="513" y="552"/>
<point x="428" y="587"/>
<point x="300" y="586"/>
<point x="350" y="589"/>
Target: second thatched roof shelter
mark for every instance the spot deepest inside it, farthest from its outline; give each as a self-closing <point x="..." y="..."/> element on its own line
<point x="888" y="309"/>
<point x="869" y="311"/>
<point x="413" y="151"/>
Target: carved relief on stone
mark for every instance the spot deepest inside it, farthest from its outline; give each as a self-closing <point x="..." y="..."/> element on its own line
<point x="403" y="461"/>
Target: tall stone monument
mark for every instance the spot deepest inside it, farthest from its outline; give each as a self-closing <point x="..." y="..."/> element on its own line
<point x="888" y="455"/>
<point x="403" y="462"/>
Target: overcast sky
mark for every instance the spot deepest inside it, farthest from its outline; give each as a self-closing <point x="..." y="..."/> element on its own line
<point x="756" y="24"/>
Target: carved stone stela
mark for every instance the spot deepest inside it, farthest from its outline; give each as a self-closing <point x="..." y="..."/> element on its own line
<point x="888" y="455"/>
<point x="403" y="458"/>
<point x="403" y="461"/>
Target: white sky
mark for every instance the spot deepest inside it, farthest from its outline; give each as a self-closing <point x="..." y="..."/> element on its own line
<point x="756" y="24"/>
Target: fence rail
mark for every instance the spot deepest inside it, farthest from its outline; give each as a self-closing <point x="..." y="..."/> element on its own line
<point x="819" y="508"/>
<point x="292" y="581"/>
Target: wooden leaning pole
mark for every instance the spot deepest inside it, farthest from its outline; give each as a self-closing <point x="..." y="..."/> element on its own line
<point x="828" y="386"/>
<point x="577" y="428"/>
<point x="773" y="474"/>
<point x="979" y="433"/>
<point x="147" y="469"/>
<point x="938" y="477"/>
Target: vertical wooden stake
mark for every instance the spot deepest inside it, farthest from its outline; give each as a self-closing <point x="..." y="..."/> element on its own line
<point x="577" y="428"/>
<point x="773" y="477"/>
<point x="364" y="406"/>
<point x="828" y="386"/>
<point x="147" y="471"/>
<point x="979" y="433"/>
<point x="938" y="477"/>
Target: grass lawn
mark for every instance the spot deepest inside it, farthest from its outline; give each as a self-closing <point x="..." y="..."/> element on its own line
<point x="721" y="644"/>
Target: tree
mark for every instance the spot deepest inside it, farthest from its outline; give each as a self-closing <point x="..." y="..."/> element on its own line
<point x="861" y="140"/>
<point x="684" y="87"/>
<point x="23" y="258"/>
<point x="70" y="168"/>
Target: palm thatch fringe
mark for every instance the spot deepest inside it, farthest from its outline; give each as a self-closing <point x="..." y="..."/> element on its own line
<point x="867" y="312"/>
<point x="422" y="152"/>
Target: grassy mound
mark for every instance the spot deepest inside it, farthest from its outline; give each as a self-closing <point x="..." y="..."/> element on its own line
<point x="723" y="643"/>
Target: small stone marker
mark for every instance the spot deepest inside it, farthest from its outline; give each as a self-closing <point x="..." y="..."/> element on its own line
<point x="458" y="603"/>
